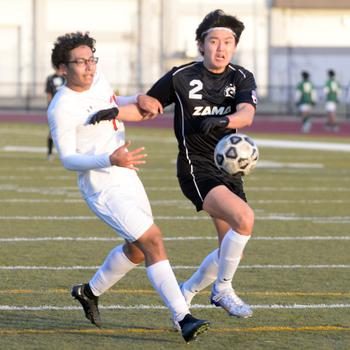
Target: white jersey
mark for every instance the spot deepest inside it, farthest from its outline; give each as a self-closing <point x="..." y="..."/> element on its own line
<point x="86" y="148"/>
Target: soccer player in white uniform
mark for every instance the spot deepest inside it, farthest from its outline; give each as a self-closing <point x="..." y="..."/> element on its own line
<point x="107" y="178"/>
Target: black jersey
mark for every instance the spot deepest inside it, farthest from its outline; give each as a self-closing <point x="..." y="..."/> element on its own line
<point x="197" y="94"/>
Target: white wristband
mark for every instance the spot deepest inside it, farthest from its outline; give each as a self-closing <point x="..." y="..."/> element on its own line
<point x="127" y="100"/>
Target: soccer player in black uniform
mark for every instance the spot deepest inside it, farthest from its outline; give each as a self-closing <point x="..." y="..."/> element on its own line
<point x="213" y="98"/>
<point x="53" y="83"/>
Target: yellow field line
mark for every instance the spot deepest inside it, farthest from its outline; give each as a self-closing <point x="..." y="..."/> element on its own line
<point x="164" y="330"/>
<point x="150" y="291"/>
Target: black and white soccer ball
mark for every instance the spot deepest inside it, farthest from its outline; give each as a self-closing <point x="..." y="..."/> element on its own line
<point x="236" y="154"/>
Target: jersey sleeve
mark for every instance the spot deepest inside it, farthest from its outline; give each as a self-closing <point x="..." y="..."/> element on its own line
<point x="63" y="130"/>
<point x="246" y="90"/>
<point x="163" y="89"/>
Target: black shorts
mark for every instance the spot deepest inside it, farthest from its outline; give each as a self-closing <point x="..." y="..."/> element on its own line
<point x="197" y="185"/>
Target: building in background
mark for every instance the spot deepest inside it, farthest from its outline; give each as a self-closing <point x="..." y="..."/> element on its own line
<point x="141" y="39"/>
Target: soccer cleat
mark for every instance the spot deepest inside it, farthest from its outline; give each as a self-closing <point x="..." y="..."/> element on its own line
<point x="231" y="302"/>
<point x="188" y="298"/>
<point x="90" y="305"/>
<point x="191" y="327"/>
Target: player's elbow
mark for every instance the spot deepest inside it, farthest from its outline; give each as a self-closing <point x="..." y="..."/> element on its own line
<point x="68" y="164"/>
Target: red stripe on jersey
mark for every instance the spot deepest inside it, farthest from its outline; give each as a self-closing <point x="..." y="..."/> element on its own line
<point x="115" y="124"/>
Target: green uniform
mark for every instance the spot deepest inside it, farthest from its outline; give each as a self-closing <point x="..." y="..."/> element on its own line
<point x="305" y="93"/>
<point x="332" y="90"/>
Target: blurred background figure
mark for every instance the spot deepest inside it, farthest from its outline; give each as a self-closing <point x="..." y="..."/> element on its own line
<point x="53" y="83"/>
<point x="305" y="98"/>
<point x="332" y="92"/>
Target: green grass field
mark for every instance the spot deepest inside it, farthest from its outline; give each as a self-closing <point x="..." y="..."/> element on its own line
<point x="295" y="272"/>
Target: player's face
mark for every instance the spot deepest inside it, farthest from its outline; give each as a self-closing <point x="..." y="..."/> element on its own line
<point x="80" y="69"/>
<point x="219" y="47"/>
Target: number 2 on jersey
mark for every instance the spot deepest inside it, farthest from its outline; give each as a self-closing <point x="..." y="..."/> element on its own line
<point x="198" y="86"/>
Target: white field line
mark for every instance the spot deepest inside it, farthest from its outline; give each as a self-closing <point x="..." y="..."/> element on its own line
<point x="317" y="146"/>
<point x="186" y="238"/>
<point x="175" y="202"/>
<point x="273" y="164"/>
<point x="271" y="217"/>
<point x="178" y="267"/>
<point x="161" y="307"/>
<point x="23" y="149"/>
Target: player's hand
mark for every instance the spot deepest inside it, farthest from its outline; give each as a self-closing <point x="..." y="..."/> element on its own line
<point x="104" y="114"/>
<point x="128" y="159"/>
<point x="147" y="115"/>
<point x="210" y="123"/>
<point x="149" y="106"/>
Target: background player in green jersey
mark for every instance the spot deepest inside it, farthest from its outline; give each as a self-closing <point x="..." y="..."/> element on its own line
<point x="305" y="98"/>
<point x="332" y="91"/>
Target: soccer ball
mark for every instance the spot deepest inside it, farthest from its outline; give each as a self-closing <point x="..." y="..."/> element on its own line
<point x="236" y="153"/>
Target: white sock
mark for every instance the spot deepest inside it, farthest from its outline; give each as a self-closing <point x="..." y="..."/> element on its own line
<point x="203" y="277"/>
<point x="113" y="269"/>
<point x="231" y="250"/>
<point x="164" y="282"/>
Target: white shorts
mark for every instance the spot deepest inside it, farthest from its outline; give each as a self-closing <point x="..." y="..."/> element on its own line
<point x="305" y="107"/>
<point x="331" y="106"/>
<point x="124" y="208"/>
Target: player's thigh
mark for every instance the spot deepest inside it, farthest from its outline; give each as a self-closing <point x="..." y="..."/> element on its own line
<point x="223" y="204"/>
<point x="126" y="210"/>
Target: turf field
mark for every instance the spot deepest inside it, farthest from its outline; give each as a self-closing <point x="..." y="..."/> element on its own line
<point x="295" y="272"/>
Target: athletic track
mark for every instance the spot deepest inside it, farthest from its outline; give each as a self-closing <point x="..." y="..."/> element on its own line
<point x="262" y="124"/>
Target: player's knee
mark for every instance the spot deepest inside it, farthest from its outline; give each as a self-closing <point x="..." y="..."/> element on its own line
<point x="152" y="242"/>
<point x="155" y="240"/>
<point x="245" y="221"/>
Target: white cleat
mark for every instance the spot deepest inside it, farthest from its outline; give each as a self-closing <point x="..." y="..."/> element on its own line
<point x="231" y="302"/>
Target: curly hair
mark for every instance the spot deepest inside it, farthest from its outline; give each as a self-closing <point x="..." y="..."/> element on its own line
<point x="219" y="18"/>
<point x="65" y="43"/>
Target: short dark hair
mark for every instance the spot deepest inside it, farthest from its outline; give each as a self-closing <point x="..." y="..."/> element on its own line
<point x="219" y="18"/>
<point x="305" y="75"/>
<point x="65" y="43"/>
<point x="331" y="73"/>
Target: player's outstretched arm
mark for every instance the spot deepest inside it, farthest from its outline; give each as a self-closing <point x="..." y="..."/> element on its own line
<point x="128" y="159"/>
<point x="147" y="108"/>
